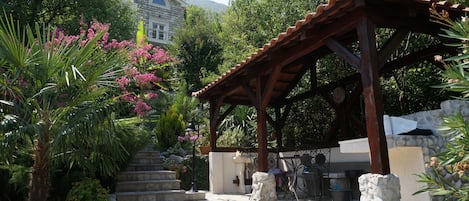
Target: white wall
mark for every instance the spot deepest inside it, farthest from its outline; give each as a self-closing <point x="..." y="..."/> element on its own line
<point x="222" y="170"/>
<point x="405" y="162"/>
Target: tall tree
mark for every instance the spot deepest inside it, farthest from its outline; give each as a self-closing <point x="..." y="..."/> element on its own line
<point x="68" y="14"/>
<point x="197" y="44"/>
<point x="248" y="25"/>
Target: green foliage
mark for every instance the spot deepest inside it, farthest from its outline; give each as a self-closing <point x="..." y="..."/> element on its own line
<point x="88" y="189"/>
<point x="455" y="159"/>
<point x="141" y="37"/>
<point x="235" y="137"/>
<point x="201" y="174"/>
<point x="187" y="106"/>
<point x="62" y="180"/>
<point x="248" y="25"/>
<point x="239" y="129"/>
<point x="14" y="182"/>
<point x="409" y="90"/>
<point x="197" y="45"/>
<point x="59" y="100"/>
<point x="170" y="125"/>
<point x="464" y="2"/>
<point x="262" y="20"/>
<point x="68" y="14"/>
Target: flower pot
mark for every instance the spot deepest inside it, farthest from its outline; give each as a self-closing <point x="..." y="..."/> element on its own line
<point x="204" y="149"/>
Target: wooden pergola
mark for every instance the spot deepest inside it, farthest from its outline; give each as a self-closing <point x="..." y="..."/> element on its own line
<point x="266" y="78"/>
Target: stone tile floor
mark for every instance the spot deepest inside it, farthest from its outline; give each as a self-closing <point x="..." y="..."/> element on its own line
<point x="227" y="197"/>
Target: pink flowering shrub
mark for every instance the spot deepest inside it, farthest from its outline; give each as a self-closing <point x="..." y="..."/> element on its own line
<point x="193" y="137"/>
<point x="141" y="64"/>
<point x="188" y="136"/>
<point x="139" y="83"/>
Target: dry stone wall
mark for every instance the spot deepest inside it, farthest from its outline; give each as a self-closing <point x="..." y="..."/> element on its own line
<point x="434" y="144"/>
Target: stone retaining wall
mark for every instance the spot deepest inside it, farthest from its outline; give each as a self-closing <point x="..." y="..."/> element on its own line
<point x="434" y="144"/>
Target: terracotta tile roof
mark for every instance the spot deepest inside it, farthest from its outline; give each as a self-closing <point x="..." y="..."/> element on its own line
<point x="282" y="38"/>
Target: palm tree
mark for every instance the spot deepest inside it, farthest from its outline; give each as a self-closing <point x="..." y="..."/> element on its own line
<point x="55" y="94"/>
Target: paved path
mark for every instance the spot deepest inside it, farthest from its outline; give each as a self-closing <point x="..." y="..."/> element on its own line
<point x="225" y="197"/>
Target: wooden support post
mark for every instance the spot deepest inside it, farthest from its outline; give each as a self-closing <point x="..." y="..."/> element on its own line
<point x="372" y="97"/>
<point x="278" y="127"/>
<point x="214" y="122"/>
<point x="262" y="154"/>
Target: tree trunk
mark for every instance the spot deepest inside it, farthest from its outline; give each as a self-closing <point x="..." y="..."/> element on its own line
<point x="40" y="177"/>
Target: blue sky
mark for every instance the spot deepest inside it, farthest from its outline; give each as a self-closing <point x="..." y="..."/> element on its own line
<point x="221" y="1"/>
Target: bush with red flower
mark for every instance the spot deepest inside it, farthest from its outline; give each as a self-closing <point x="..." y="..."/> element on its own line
<point x="140" y="83"/>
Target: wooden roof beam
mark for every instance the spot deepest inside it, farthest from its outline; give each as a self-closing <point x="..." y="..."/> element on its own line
<point x="391" y="45"/>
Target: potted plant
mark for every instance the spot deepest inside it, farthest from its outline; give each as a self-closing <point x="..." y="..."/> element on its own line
<point x="204" y="141"/>
<point x="199" y="138"/>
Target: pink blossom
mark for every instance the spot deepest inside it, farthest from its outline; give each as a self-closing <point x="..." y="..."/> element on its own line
<point x="71" y="39"/>
<point x="141" y="108"/>
<point x="83" y="42"/>
<point x="181" y="139"/>
<point x="147" y="47"/>
<point x="131" y="71"/>
<point x="151" y="95"/>
<point x="128" y="97"/>
<point x="114" y="44"/>
<point x="122" y="82"/>
<point x="193" y="138"/>
<point x="139" y="56"/>
<point x="90" y="34"/>
<point x="99" y="26"/>
<point x="145" y="79"/>
<point x="82" y="32"/>
<point x="159" y="56"/>
<point x="105" y="37"/>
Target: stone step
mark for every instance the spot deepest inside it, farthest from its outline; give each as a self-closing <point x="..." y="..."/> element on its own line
<point x="146" y="175"/>
<point x="146" y="160"/>
<point x="154" y="154"/>
<point x="170" y="195"/>
<point x="148" y="185"/>
<point x="149" y="147"/>
<point x="144" y="167"/>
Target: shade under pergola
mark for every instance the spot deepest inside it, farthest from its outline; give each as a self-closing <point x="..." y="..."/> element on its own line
<point x="268" y="76"/>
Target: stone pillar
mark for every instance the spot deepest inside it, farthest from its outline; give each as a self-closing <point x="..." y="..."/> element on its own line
<point x="263" y="187"/>
<point x="376" y="187"/>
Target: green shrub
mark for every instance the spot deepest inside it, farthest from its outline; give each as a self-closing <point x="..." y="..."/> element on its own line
<point x="88" y="189"/>
<point x="201" y="173"/>
<point x="170" y="125"/>
<point x="14" y="182"/>
<point x="451" y="165"/>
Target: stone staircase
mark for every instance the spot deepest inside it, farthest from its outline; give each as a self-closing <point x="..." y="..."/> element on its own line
<point x="145" y="180"/>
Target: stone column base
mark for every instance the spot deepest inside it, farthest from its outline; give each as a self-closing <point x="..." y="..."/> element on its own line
<point x="263" y="187"/>
<point x="376" y="187"/>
